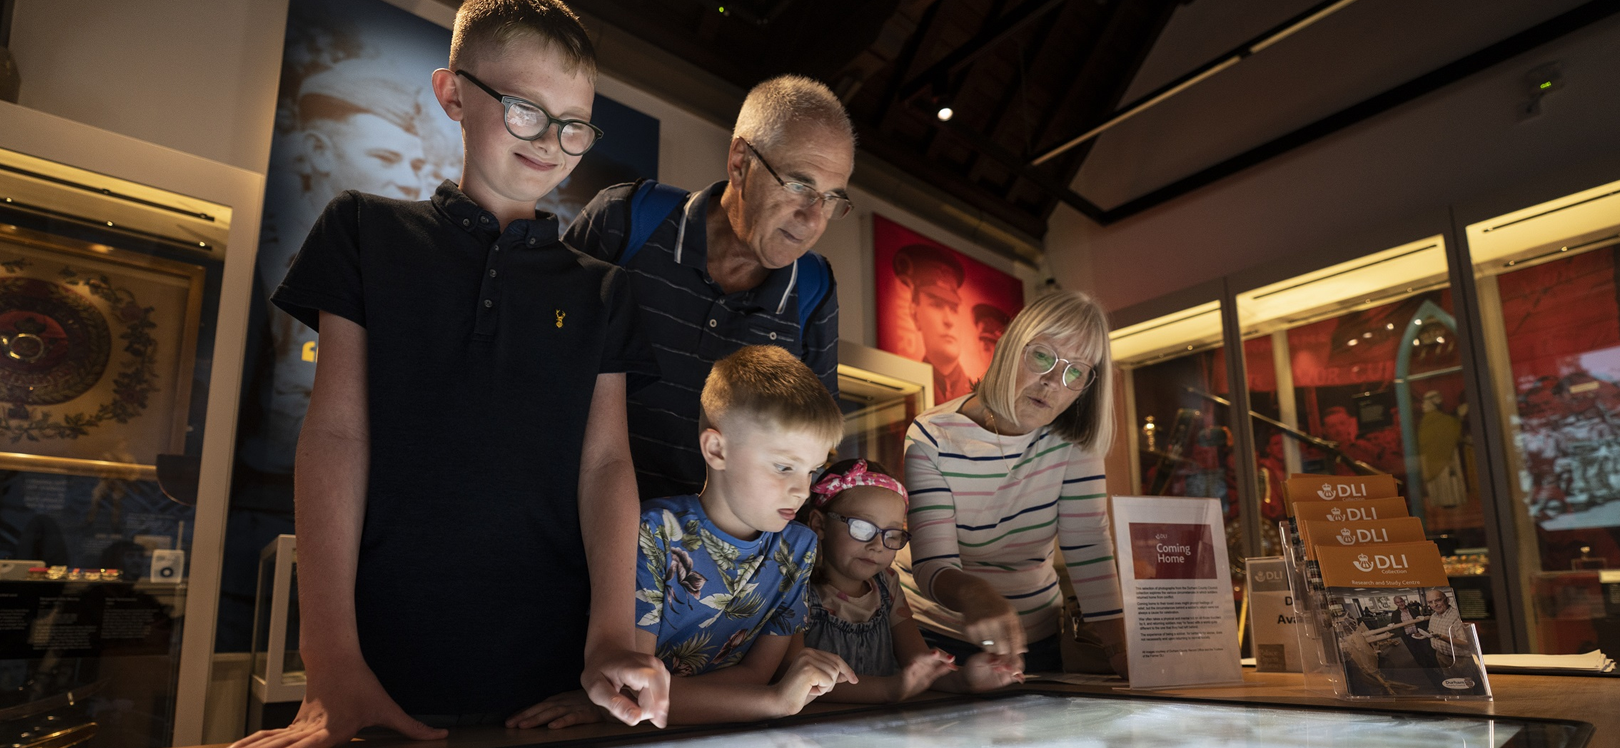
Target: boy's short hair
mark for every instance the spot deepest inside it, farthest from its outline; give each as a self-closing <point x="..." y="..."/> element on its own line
<point x="767" y="383"/>
<point x="485" y="27"/>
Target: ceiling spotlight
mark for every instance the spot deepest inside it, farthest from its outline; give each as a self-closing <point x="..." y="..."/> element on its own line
<point x="945" y="113"/>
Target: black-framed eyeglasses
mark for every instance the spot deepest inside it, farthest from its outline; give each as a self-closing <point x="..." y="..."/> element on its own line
<point x="833" y="205"/>
<point x="864" y="531"/>
<point x="527" y="120"/>
<point x="1041" y="359"/>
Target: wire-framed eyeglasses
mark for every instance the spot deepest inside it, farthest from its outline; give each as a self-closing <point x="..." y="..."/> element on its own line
<point x="527" y="120"/>
<point x="833" y="205"/>
<point x="1041" y="359"/>
<point x="864" y="531"/>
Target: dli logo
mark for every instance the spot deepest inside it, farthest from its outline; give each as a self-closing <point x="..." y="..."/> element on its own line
<point x="1337" y="515"/>
<point x="1346" y="537"/>
<point x="1363" y="563"/>
<point x="1331" y="492"/>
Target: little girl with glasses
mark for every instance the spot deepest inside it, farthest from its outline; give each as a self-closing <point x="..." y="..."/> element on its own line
<point x="857" y="609"/>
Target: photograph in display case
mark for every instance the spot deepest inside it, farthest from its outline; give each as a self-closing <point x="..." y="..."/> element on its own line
<point x="97" y="346"/>
<point x="939" y="306"/>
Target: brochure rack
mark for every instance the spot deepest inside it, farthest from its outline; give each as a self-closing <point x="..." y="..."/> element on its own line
<point x="1380" y="641"/>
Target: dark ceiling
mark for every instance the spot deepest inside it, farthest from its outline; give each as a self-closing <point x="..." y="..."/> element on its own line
<point x="1021" y="76"/>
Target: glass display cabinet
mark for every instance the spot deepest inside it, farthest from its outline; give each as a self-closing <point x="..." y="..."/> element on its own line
<point x="880" y="394"/>
<point x="1363" y="374"/>
<point x="118" y="384"/>
<point x="1177" y="415"/>
<point x="1550" y="310"/>
<point x="278" y="670"/>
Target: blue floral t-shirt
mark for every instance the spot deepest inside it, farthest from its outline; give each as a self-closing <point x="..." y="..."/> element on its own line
<point x="706" y="594"/>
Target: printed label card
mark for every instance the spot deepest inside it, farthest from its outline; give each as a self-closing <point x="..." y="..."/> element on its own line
<point x="1180" y="621"/>
<point x="1272" y="619"/>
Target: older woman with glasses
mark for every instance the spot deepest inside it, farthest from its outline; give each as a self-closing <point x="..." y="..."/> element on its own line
<point x="999" y="475"/>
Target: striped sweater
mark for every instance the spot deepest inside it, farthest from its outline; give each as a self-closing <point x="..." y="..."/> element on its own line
<point x="993" y="508"/>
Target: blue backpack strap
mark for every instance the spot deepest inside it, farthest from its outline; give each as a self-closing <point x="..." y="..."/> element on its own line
<point x="814" y="280"/>
<point x="652" y="202"/>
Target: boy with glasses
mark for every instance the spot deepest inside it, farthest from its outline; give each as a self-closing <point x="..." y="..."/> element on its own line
<point x="723" y="269"/>
<point x="466" y="434"/>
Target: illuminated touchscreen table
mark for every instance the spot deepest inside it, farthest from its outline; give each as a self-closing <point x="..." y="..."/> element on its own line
<point x="1072" y="721"/>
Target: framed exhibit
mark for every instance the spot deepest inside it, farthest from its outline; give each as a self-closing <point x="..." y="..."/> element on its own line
<point x="939" y="306"/>
<point x="97" y="347"/>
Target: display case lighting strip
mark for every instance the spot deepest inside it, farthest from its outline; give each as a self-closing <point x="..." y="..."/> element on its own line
<point x="1548" y="212"/>
<point x="1366" y="301"/>
<point x="1346" y="271"/>
<point x="1168" y="322"/>
<point x="1174" y="353"/>
<point x="106" y="192"/>
<point x="53" y="213"/>
<point x="1582" y="247"/>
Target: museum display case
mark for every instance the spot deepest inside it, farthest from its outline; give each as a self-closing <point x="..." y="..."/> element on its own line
<point x="1550" y="312"/>
<point x="114" y="407"/>
<point x="1368" y="378"/>
<point x="1177" y="417"/>
<point x="880" y="394"/>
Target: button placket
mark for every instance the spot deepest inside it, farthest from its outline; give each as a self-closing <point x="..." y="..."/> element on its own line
<point x="489" y="291"/>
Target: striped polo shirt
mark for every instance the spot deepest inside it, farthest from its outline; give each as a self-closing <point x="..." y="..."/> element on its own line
<point x="992" y="507"/>
<point x="692" y="323"/>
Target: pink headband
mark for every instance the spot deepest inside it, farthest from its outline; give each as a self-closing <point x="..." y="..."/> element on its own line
<point x="833" y="484"/>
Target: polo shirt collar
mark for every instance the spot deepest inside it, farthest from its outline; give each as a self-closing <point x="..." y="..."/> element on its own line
<point x="694" y="252"/>
<point x="463" y="212"/>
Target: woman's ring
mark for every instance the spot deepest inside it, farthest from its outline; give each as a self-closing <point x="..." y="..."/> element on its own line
<point x="988" y="643"/>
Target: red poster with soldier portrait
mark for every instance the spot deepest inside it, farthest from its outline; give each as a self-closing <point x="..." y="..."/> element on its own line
<point x="939" y="306"/>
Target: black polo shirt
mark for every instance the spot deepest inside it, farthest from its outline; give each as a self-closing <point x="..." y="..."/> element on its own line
<point x="483" y="350"/>
<point x="692" y="323"/>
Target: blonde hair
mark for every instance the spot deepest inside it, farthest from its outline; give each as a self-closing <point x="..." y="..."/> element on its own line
<point x="766" y="383"/>
<point x="1069" y="315"/>
<point x="486" y="27"/>
<point x="787" y="101"/>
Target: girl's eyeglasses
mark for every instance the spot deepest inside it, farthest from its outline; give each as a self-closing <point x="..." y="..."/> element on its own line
<point x="864" y="531"/>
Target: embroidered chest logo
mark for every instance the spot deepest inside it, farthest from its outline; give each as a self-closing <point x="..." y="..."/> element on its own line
<point x="560" y="315"/>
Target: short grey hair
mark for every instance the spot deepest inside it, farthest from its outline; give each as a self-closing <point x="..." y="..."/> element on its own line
<point x="784" y="101"/>
<point x="1075" y="317"/>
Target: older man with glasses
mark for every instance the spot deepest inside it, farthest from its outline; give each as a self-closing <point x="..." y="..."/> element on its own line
<point x="729" y="265"/>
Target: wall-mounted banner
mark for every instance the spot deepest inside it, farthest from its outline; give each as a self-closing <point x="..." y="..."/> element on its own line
<point x="1179" y="621"/>
<point x="939" y="306"/>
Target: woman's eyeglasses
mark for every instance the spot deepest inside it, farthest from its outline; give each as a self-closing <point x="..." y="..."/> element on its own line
<point x="864" y="531"/>
<point x="526" y="120"/>
<point x="1040" y="359"/>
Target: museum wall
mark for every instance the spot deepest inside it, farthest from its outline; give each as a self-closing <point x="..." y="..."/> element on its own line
<point x="1462" y="147"/>
<point x="200" y="76"/>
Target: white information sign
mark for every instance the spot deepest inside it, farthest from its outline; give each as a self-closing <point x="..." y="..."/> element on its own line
<point x="1180" y="622"/>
